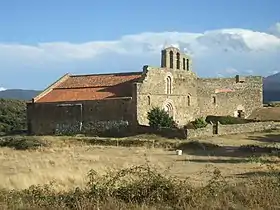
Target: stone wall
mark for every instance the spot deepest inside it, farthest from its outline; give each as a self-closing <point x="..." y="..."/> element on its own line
<point x="246" y="128"/>
<point x="190" y="97"/>
<point x="232" y="129"/>
<point x="78" y="117"/>
<point x="193" y="97"/>
<point x="152" y="92"/>
<point x="230" y="96"/>
<point x="200" y="132"/>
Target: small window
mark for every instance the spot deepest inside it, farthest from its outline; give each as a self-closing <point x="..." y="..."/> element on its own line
<point x="178" y="60"/>
<point x="171" y="59"/>
<point x="214" y="100"/>
<point x="149" y="100"/>
<point x="184" y="63"/>
<point x="189" y="100"/>
<point x="168" y="85"/>
<point x="188" y="65"/>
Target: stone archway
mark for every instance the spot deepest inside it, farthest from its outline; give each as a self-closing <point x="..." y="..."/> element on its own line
<point x="169" y="109"/>
<point x="168" y="106"/>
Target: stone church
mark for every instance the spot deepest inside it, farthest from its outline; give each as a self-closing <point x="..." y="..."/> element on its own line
<point x="124" y="99"/>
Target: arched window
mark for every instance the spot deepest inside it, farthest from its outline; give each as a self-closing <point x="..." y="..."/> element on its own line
<point x="171" y="59"/>
<point x="188" y="65"/>
<point x="184" y="63"/>
<point x="178" y="60"/>
<point x="149" y="100"/>
<point x="168" y="85"/>
<point x="189" y="100"/>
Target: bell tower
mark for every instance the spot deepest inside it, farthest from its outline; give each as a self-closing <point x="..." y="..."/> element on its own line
<point x="173" y="59"/>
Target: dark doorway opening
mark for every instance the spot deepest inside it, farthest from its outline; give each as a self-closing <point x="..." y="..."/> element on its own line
<point x="215" y="128"/>
<point x="240" y="114"/>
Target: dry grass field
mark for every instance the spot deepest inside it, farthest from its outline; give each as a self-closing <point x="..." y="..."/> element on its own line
<point x="143" y="172"/>
<point x="66" y="161"/>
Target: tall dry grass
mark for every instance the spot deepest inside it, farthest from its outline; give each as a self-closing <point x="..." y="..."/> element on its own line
<point x="47" y="174"/>
<point x="142" y="187"/>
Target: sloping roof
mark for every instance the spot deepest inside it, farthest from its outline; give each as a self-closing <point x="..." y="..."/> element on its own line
<point x="92" y="87"/>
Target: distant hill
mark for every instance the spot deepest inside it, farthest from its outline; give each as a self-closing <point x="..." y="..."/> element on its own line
<point x="271" y="88"/>
<point x="18" y="94"/>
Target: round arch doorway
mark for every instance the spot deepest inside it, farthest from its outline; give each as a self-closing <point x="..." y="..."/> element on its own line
<point x="169" y="109"/>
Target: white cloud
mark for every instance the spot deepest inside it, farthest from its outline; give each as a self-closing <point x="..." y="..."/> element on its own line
<point x="275" y="29"/>
<point x="2" y="89"/>
<point x="217" y="52"/>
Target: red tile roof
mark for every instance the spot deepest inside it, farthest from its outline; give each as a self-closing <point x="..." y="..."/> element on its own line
<point x="92" y="87"/>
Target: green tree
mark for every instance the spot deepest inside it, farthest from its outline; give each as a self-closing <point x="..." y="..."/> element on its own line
<point x="12" y="115"/>
<point x="159" y="118"/>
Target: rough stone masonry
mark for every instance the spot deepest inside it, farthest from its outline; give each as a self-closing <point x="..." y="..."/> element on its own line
<point x="112" y="100"/>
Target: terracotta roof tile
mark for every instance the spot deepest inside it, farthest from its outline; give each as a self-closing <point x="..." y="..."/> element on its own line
<point x="93" y="87"/>
<point x="99" y="80"/>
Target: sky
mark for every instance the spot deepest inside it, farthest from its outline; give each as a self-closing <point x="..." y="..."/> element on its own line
<point x="41" y="41"/>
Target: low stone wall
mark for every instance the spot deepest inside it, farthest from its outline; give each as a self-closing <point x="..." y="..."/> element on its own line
<point x="232" y="129"/>
<point x="246" y="127"/>
<point x="200" y="132"/>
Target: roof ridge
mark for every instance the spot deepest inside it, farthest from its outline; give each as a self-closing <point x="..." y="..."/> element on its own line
<point x="82" y="87"/>
<point x="107" y="74"/>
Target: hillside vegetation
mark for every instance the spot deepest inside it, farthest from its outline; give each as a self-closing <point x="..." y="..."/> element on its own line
<point x="12" y="115"/>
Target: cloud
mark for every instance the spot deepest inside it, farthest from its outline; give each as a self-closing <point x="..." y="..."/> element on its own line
<point x="2" y="89"/>
<point x="275" y="29"/>
<point x="218" y="52"/>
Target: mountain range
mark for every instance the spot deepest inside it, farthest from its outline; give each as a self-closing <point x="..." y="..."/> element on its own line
<point x="271" y="90"/>
<point x="18" y="94"/>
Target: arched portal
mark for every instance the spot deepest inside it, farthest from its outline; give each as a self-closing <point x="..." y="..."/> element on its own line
<point x="169" y="109"/>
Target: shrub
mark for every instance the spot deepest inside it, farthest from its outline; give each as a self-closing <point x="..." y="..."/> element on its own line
<point x="21" y="142"/>
<point x="197" y="123"/>
<point x="225" y="120"/>
<point x="159" y="118"/>
<point x="200" y="123"/>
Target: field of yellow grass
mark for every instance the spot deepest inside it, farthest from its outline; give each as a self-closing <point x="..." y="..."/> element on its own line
<point x="67" y="160"/>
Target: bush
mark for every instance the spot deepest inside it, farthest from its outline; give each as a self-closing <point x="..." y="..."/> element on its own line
<point x="225" y="120"/>
<point x="159" y="118"/>
<point x="199" y="123"/>
<point x="21" y="142"/>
